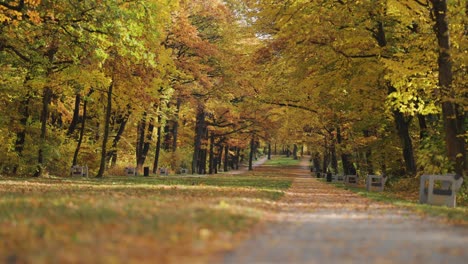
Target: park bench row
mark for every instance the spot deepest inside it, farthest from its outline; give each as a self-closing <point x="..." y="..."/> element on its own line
<point x="83" y="171"/>
<point x="433" y="189"/>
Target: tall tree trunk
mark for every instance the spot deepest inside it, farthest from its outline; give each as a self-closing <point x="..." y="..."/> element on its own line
<point x="402" y="125"/>
<point x="82" y="129"/>
<point x="200" y="127"/>
<point x="325" y="156"/>
<point x="21" y="134"/>
<point x="269" y="151"/>
<point x="46" y="100"/>
<point x="226" y="157"/>
<point x="452" y="113"/>
<point x="76" y="115"/>
<point x="211" y="163"/>
<point x="102" y="164"/>
<point x="237" y="159"/>
<point x="112" y="155"/>
<point x="158" y="146"/>
<point x="423" y="133"/>
<point x="295" y="151"/>
<point x="348" y="166"/>
<point x="143" y="141"/>
<point x="251" y="153"/>
<point x="175" y="129"/>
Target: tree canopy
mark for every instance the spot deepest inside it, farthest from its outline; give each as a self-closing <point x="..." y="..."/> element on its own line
<point x="363" y="86"/>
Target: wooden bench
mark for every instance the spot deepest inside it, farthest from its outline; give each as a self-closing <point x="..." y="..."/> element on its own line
<point x="375" y="183"/>
<point x="130" y="171"/>
<point x="77" y="170"/>
<point x="351" y="180"/>
<point x="439" y="189"/>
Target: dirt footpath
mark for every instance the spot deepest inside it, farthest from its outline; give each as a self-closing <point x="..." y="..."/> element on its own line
<point x="319" y="223"/>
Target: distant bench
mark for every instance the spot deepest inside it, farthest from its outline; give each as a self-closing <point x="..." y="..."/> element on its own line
<point x="130" y="171"/>
<point x="351" y="180"/>
<point x="375" y="183"/>
<point x="338" y="178"/>
<point x="439" y="189"/>
<point x="77" y="170"/>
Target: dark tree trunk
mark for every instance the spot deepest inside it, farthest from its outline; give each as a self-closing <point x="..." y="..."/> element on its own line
<point x="251" y="153"/>
<point x="334" y="160"/>
<point x="21" y="134"/>
<point x="102" y="165"/>
<point x="144" y="141"/>
<point x="295" y="151"/>
<point x="325" y="156"/>
<point x="453" y="114"/>
<point x="46" y="100"/>
<point x="158" y="147"/>
<point x="76" y="115"/>
<point x="211" y="163"/>
<point x="237" y="159"/>
<point x="423" y="131"/>
<point x="316" y="162"/>
<point x="200" y="132"/>
<point x="269" y="151"/>
<point x="219" y="157"/>
<point x="226" y="157"/>
<point x="122" y="124"/>
<point x="402" y="125"/>
<point x="348" y="166"/>
<point x="176" y="126"/>
<point x="82" y="129"/>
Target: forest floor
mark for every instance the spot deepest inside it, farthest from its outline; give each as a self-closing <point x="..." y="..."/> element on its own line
<point x="317" y="222"/>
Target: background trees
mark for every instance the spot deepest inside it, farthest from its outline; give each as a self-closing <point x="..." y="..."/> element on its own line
<point x="195" y="82"/>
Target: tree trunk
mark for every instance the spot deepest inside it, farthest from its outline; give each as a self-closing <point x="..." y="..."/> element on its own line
<point x="402" y="125"/>
<point x="175" y="129"/>
<point x="452" y="113"/>
<point x="112" y="155"/>
<point x="325" y="156"/>
<point x="143" y="141"/>
<point x="423" y="133"/>
<point x="46" y="100"/>
<point x="251" y="153"/>
<point x="237" y="159"/>
<point x="211" y="162"/>
<point x="200" y="126"/>
<point x="76" y="115"/>
<point x="269" y="151"/>
<point x="295" y="151"/>
<point x="226" y="157"/>
<point x="82" y="129"/>
<point x="102" y="165"/>
<point x="21" y="134"/>
<point x="158" y="146"/>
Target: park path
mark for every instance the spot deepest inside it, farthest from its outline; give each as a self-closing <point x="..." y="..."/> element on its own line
<point x="319" y="223"/>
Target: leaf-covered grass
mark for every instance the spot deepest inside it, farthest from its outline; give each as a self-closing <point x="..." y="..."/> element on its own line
<point x="458" y="215"/>
<point x="119" y="219"/>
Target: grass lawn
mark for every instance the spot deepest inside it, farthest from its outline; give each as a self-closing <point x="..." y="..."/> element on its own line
<point x="119" y="219"/>
<point x="282" y="161"/>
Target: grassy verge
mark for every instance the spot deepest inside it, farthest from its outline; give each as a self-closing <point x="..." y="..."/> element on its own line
<point x="282" y="161"/>
<point x="118" y="219"/>
<point x="458" y="215"/>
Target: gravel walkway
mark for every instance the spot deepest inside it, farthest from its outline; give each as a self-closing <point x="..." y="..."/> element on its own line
<point x="323" y="224"/>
